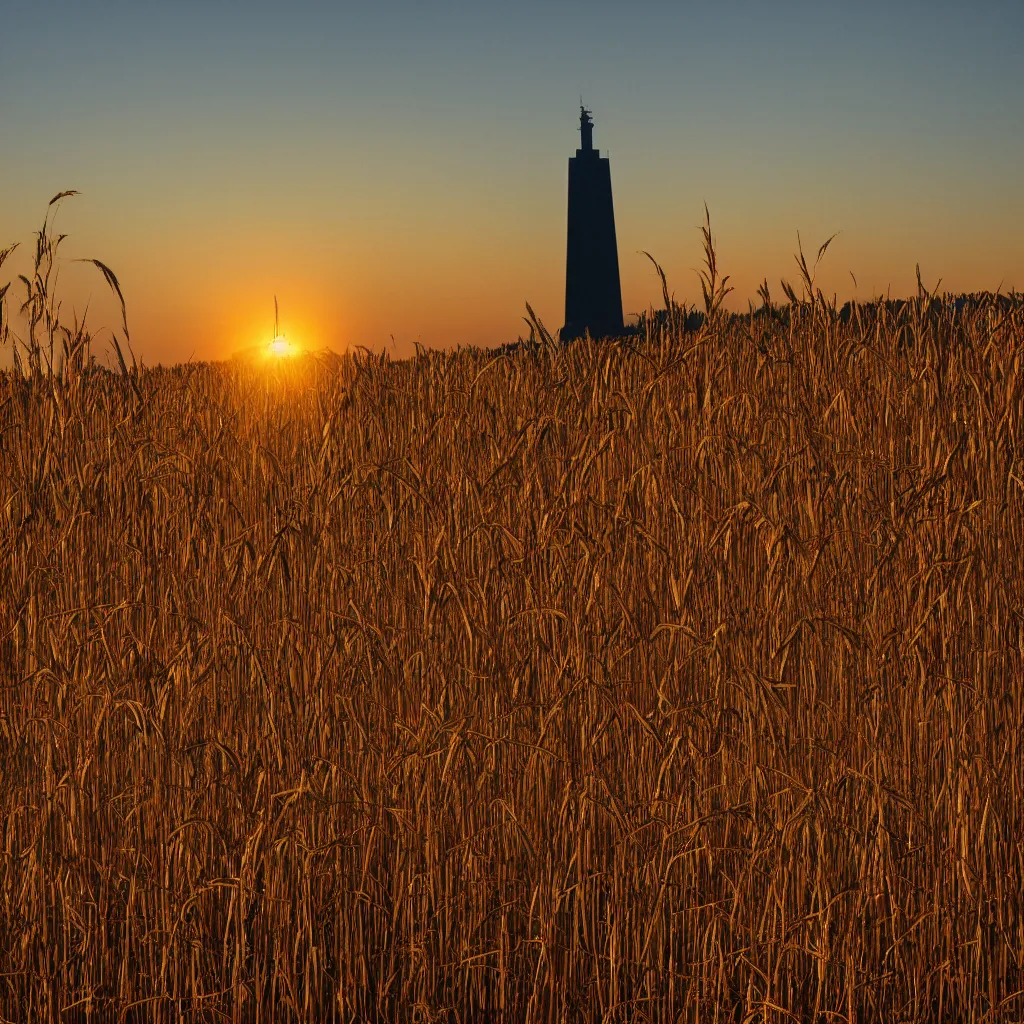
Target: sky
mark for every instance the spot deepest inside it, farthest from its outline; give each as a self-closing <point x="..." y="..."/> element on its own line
<point x="395" y="173"/>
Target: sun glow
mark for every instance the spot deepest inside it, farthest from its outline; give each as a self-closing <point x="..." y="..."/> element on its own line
<point x="278" y="349"/>
<point x="281" y="348"/>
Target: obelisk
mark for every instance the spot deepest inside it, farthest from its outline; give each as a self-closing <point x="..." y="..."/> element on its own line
<point x="593" y="296"/>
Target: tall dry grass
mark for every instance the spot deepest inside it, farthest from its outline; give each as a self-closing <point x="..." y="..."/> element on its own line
<point x="673" y="678"/>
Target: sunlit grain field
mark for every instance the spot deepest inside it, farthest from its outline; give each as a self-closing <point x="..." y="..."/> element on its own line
<point x="670" y="678"/>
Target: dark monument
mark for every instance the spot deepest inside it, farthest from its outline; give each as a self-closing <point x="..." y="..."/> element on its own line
<point x="593" y="297"/>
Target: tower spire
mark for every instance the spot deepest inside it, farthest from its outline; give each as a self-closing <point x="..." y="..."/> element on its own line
<point x="586" y="129"/>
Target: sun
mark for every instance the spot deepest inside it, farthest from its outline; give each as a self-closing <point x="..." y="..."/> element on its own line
<point x="281" y="347"/>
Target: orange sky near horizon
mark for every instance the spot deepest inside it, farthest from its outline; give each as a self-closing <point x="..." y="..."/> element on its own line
<point x="219" y="299"/>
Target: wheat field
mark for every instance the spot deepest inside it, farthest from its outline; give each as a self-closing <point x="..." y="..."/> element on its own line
<point x="672" y="678"/>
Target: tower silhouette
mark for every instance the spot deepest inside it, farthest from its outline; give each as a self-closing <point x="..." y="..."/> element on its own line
<point x="593" y="297"/>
